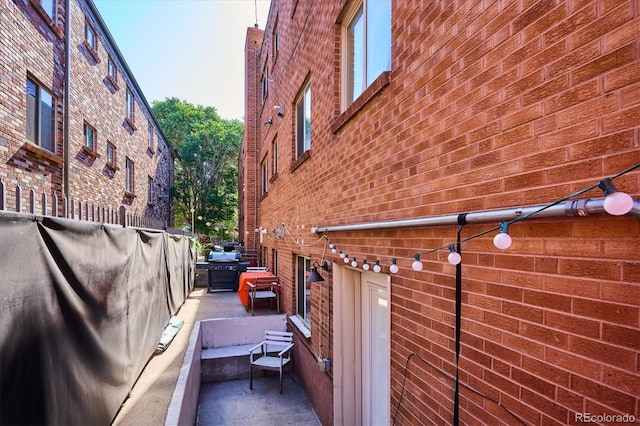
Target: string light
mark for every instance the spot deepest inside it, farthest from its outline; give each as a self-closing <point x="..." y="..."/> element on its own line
<point x="416" y="265"/>
<point x="503" y="239"/>
<point x="615" y="202"/>
<point x="454" y="257"/>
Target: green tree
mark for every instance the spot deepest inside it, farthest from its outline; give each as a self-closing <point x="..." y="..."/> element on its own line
<point x="206" y="175"/>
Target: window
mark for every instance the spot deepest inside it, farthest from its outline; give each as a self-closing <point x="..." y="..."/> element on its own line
<point x="274" y="153"/>
<point x="265" y="83"/>
<point x="367" y="43"/>
<point x="265" y="176"/>
<point x="129" y="187"/>
<point x="303" y="123"/>
<point x="89" y="137"/>
<point x="149" y="190"/>
<point x="150" y="141"/>
<point x="275" y="42"/>
<point x="130" y="106"/>
<point x="303" y="289"/>
<point x="112" y="71"/>
<point x="90" y="36"/>
<point x="111" y="155"/>
<point x="49" y="6"/>
<point x="40" y="116"/>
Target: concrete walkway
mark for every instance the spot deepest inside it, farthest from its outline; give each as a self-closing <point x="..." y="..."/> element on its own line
<point x="220" y="403"/>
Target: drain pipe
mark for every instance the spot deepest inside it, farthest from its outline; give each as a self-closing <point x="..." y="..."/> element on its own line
<point x="574" y="208"/>
<point x="67" y="98"/>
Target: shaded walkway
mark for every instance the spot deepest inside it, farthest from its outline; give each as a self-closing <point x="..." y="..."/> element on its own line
<point x="151" y="395"/>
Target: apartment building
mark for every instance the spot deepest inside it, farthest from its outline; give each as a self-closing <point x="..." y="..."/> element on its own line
<point x="388" y="143"/>
<point x="77" y="136"/>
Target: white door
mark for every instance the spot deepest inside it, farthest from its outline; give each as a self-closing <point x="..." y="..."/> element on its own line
<point x="375" y="349"/>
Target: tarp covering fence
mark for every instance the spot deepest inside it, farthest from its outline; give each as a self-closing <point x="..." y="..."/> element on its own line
<point x="82" y="308"/>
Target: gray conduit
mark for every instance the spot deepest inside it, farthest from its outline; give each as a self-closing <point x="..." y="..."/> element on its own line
<point x="574" y="208"/>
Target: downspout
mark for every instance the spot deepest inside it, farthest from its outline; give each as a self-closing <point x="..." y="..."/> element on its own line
<point x="66" y="168"/>
<point x="583" y="207"/>
<point x="255" y="152"/>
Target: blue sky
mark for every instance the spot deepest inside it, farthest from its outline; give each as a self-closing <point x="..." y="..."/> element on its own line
<point x="189" y="49"/>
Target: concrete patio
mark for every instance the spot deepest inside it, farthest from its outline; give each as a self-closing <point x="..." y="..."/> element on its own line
<point x="220" y="403"/>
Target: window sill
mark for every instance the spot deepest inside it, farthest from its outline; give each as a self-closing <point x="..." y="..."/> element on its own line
<point x="90" y="152"/>
<point x="112" y="166"/>
<point x="129" y="194"/>
<point x="376" y="87"/>
<point x="301" y="325"/>
<point x="45" y="16"/>
<point x="44" y="153"/>
<point x="273" y="177"/>
<point x="151" y="151"/>
<point x="129" y="123"/>
<point x="93" y="52"/>
<point x="304" y="157"/>
<point x="113" y="82"/>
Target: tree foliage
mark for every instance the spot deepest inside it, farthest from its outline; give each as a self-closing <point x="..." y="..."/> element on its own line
<point x="206" y="174"/>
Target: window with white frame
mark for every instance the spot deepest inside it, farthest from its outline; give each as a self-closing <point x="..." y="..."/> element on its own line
<point x="265" y="176"/>
<point x="265" y="82"/>
<point x="303" y="289"/>
<point x="40" y="116"/>
<point x="303" y="122"/>
<point x="274" y="155"/>
<point x="367" y="46"/>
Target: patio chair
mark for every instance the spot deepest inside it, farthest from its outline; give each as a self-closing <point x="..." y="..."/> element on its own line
<point x="274" y="354"/>
<point x="265" y="288"/>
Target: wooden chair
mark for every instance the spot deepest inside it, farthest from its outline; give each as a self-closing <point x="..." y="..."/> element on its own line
<point x="263" y="288"/>
<point x="274" y="354"/>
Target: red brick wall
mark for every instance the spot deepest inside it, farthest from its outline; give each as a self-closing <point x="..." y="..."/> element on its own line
<point x="36" y="48"/>
<point x="489" y="105"/>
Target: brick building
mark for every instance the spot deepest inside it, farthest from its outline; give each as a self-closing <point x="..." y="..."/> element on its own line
<point x="379" y="130"/>
<point x="74" y="123"/>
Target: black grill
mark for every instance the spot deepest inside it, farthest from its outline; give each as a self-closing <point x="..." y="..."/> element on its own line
<point x="223" y="271"/>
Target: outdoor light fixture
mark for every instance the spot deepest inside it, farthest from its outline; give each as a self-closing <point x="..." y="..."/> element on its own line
<point x="394" y="267"/>
<point x="416" y="265"/>
<point x="354" y="262"/>
<point x="454" y="257"/>
<point x="365" y="265"/>
<point x="615" y="203"/>
<point x="377" y="268"/>
<point x="280" y="233"/>
<point x="269" y="122"/>
<point x="502" y="240"/>
<point x="280" y="109"/>
<point x="315" y="276"/>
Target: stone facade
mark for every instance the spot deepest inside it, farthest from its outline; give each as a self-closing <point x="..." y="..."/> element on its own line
<point x="93" y="174"/>
<point x="487" y="106"/>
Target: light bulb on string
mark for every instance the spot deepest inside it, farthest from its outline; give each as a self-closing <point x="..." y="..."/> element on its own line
<point x="503" y="239"/>
<point x="416" y="265"/>
<point x="615" y="202"/>
<point x="376" y="267"/>
<point x="333" y="250"/>
<point x="342" y="254"/>
<point x="331" y="245"/>
<point x="354" y="262"/>
<point x="346" y="258"/>
<point x="365" y="265"/>
<point x="454" y="257"/>
<point x="394" y="267"/>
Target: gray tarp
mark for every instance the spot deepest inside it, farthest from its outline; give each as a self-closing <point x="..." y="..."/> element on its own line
<point x="82" y="308"/>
